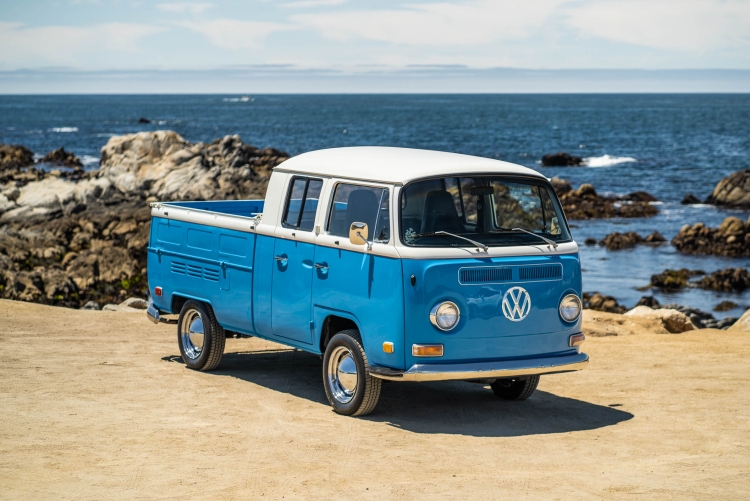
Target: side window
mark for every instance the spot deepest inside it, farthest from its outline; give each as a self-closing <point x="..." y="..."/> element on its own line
<point x="302" y="203"/>
<point x="361" y="204"/>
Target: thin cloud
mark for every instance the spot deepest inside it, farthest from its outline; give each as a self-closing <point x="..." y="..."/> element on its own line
<point x="681" y="25"/>
<point x="233" y="34"/>
<point x="184" y="7"/>
<point x="306" y="4"/>
<point x="69" y="44"/>
<point x="435" y="24"/>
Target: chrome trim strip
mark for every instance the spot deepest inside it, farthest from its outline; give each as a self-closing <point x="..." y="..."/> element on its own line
<point x="485" y="370"/>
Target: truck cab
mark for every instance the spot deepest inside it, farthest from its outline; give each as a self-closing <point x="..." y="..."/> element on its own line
<point x="392" y="263"/>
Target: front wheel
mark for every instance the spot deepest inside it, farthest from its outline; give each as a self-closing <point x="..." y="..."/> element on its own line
<point x="350" y="389"/>
<point x="515" y="389"/>
<point x="200" y="336"/>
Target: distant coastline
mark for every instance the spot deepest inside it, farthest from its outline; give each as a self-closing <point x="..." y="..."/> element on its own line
<point x="419" y="79"/>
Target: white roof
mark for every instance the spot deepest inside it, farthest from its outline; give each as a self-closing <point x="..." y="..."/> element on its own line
<point x="396" y="165"/>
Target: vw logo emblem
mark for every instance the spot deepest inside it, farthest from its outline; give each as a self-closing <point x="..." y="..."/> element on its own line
<point x="516" y="304"/>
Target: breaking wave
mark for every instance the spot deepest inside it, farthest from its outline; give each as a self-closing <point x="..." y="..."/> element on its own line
<point x="64" y="129"/>
<point x="243" y="99"/>
<point x="606" y="161"/>
<point x="89" y="161"/>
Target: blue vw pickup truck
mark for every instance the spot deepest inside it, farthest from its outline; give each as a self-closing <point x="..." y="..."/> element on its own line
<point x="391" y="263"/>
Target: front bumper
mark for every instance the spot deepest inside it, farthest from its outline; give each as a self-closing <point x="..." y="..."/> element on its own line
<point x="485" y="370"/>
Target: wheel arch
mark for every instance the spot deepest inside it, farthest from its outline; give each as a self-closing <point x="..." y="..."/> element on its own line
<point x="179" y="299"/>
<point x="333" y="324"/>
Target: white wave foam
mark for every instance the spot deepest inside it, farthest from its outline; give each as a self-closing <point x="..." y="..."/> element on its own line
<point x="64" y="129"/>
<point x="606" y="161"/>
<point x="243" y="99"/>
<point x="89" y="160"/>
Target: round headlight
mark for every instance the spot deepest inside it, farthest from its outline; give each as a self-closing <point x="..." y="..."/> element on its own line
<point x="570" y="308"/>
<point x="445" y="316"/>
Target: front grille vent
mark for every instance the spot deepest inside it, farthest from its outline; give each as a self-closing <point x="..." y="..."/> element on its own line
<point x="484" y="275"/>
<point x="544" y="272"/>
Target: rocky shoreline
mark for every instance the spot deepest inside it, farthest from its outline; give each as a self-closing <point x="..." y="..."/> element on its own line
<point x="71" y="237"/>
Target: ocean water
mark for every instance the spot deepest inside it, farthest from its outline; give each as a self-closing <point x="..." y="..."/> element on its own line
<point x="665" y="144"/>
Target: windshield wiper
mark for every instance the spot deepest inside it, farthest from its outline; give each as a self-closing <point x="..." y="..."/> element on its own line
<point x="473" y="242"/>
<point x="549" y="242"/>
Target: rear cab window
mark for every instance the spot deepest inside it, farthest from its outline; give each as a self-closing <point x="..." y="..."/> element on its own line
<point x="302" y="203"/>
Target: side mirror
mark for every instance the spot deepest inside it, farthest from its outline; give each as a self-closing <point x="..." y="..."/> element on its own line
<point x="358" y="233"/>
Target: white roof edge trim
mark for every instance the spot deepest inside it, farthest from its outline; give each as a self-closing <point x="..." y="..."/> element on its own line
<point x="397" y="165"/>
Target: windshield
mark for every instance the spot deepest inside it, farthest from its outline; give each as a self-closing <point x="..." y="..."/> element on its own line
<point x="486" y="209"/>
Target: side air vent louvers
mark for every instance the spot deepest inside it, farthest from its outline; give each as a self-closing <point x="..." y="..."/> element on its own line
<point x="484" y="275"/>
<point x="211" y="274"/>
<point x="194" y="271"/>
<point x="546" y="272"/>
<point x="178" y="267"/>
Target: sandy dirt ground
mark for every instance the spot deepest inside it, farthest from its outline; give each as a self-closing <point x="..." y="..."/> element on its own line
<point x="97" y="405"/>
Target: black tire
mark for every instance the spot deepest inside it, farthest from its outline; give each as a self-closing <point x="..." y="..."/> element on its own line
<point x="209" y="354"/>
<point x="515" y="389"/>
<point x="365" y="395"/>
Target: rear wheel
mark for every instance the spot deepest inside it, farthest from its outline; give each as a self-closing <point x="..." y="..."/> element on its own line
<point x="515" y="389"/>
<point x="200" y="336"/>
<point x="349" y="387"/>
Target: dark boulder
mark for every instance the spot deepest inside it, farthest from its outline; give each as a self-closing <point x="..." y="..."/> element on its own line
<point x="15" y="156"/>
<point x="690" y="199"/>
<point x="725" y="306"/>
<point x="649" y="301"/>
<point x="586" y="203"/>
<point x="618" y="241"/>
<point x="561" y="159"/>
<point x="62" y="157"/>
<point x="144" y="120"/>
<point x="702" y="319"/>
<point x="730" y="239"/>
<point x="590" y="241"/>
<point x="561" y="185"/>
<point x="639" y="196"/>
<point x="672" y="280"/>
<point x="727" y="280"/>
<point x="655" y="238"/>
<point x="600" y="302"/>
<point x="732" y="191"/>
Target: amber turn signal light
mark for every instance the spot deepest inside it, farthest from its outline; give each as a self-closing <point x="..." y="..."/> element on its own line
<point x="157" y="291"/>
<point x="427" y="350"/>
<point x="576" y="340"/>
<point x="388" y="347"/>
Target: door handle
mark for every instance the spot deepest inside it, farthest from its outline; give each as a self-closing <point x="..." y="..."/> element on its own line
<point x="281" y="258"/>
<point x="321" y="266"/>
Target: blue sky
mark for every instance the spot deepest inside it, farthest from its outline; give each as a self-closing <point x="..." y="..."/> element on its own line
<point x="361" y="37"/>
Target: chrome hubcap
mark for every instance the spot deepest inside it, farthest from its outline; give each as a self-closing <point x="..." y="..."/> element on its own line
<point x="342" y="374"/>
<point x="192" y="334"/>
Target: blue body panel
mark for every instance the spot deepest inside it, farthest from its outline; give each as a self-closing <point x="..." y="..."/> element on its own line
<point x="364" y="288"/>
<point x="289" y="301"/>
<point x="292" y="289"/>
<point x="206" y="263"/>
